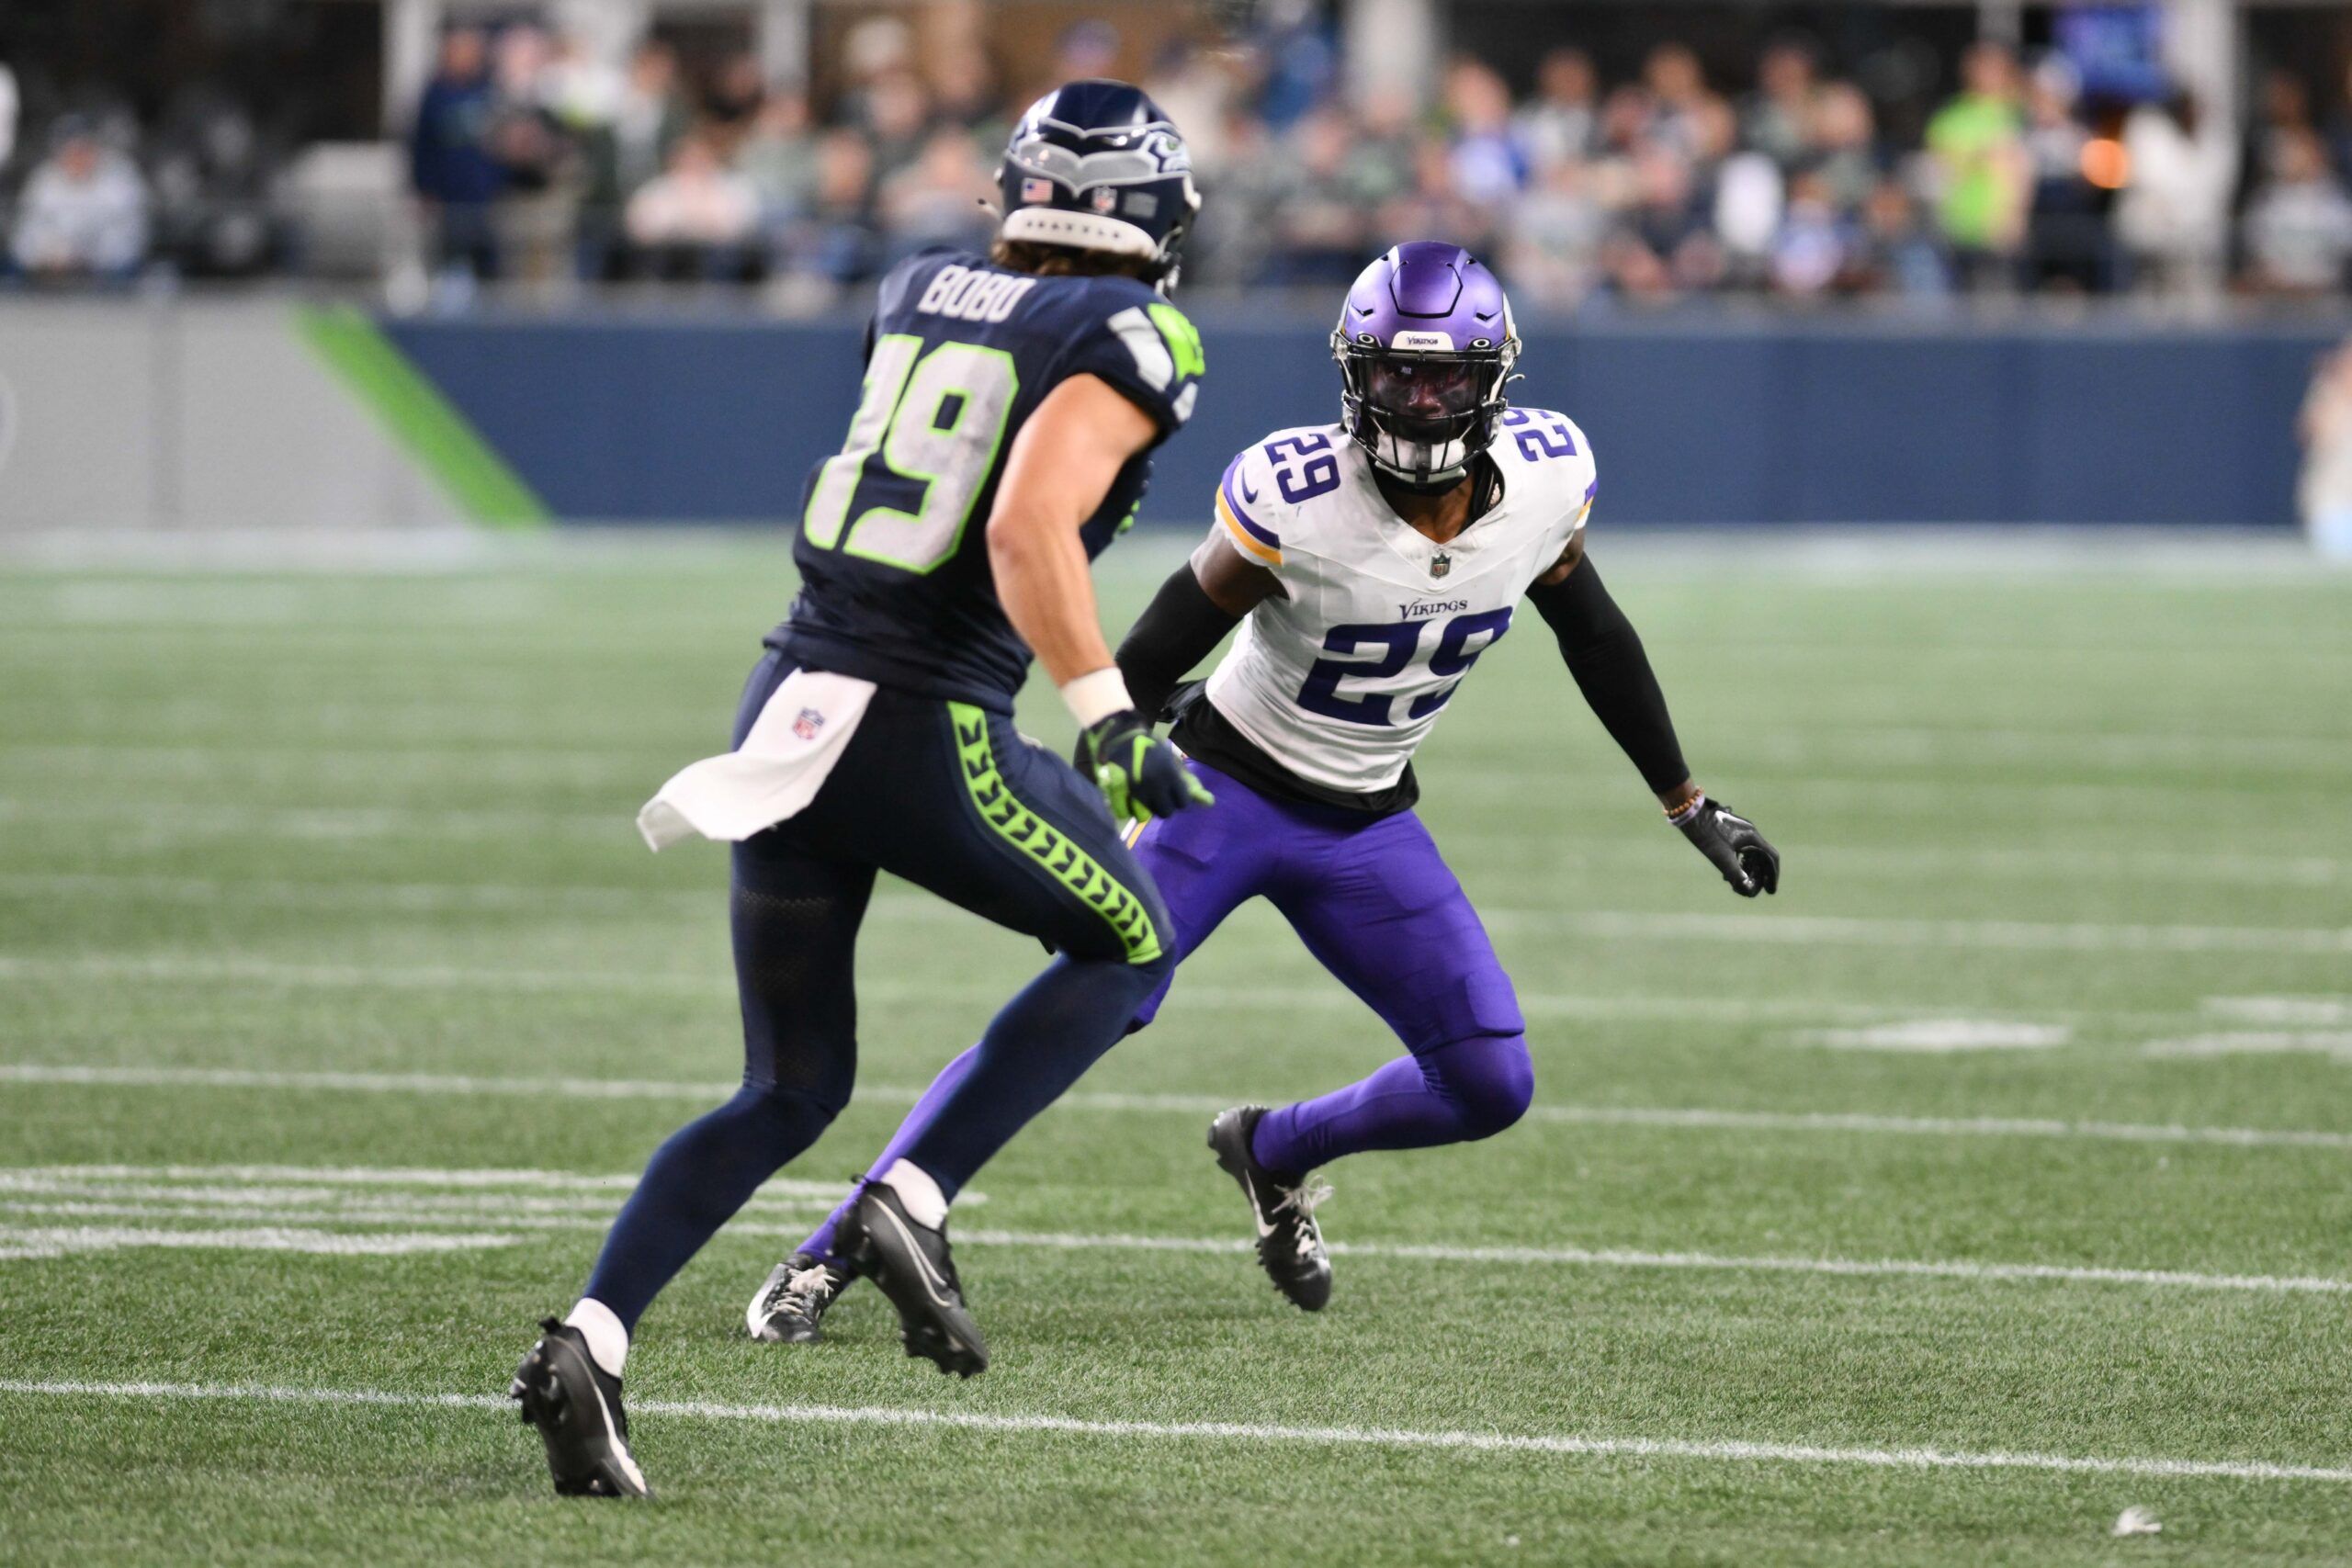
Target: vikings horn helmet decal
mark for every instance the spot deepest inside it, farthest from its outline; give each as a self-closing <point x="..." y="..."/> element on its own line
<point x="1425" y="345"/>
<point x="1097" y="166"/>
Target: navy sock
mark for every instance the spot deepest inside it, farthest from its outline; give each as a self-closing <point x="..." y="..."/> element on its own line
<point x="694" y="1184"/>
<point x="1042" y="1043"/>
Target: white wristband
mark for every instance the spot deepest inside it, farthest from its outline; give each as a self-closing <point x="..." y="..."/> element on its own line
<point x="1096" y="695"/>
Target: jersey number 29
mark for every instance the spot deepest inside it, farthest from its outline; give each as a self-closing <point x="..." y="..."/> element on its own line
<point x="1397" y="643"/>
<point x="925" y="437"/>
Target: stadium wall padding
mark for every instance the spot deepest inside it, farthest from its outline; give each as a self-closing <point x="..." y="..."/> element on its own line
<point x="662" y="420"/>
<point x="162" y="414"/>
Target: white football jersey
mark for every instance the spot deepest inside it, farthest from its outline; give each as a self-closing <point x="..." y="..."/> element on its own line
<point x="1341" y="677"/>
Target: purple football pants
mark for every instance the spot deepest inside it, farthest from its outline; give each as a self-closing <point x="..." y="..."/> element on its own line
<point x="1377" y="905"/>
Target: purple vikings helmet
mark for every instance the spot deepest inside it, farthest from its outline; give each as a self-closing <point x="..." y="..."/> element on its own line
<point x="1425" y="345"/>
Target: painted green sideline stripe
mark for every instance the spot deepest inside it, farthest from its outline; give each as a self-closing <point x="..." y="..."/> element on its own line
<point x="416" y="415"/>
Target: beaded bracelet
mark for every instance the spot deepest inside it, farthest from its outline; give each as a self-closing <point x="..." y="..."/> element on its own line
<point x="1681" y="815"/>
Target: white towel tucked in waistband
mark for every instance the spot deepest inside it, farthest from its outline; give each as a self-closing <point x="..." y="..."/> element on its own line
<point x="773" y="774"/>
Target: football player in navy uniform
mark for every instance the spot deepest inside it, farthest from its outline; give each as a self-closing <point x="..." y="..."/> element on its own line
<point x="1001" y="442"/>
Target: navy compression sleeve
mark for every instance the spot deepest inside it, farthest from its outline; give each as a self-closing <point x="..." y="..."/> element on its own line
<point x="1182" y="626"/>
<point x="1605" y="655"/>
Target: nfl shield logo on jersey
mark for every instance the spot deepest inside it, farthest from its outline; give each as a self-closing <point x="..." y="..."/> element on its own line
<point x="1439" y="564"/>
<point x="1103" y="198"/>
<point x="808" y="724"/>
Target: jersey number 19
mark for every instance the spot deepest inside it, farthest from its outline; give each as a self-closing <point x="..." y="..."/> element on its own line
<point x="925" y="437"/>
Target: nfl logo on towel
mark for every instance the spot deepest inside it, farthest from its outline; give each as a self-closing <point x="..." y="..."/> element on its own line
<point x="808" y="724"/>
<point x="1035" y="189"/>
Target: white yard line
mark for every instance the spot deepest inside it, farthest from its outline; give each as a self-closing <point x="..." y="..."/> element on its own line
<point x="1691" y="1117"/>
<point x="1771" y="928"/>
<point x="34" y="1195"/>
<point x="1735" y="1450"/>
<point x="53" y="1241"/>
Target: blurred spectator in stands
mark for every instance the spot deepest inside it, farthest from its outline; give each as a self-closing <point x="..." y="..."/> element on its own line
<point x="937" y="200"/>
<point x="731" y="104"/>
<point x="533" y="150"/>
<point x="628" y="149"/>
<point x="2066" y="218"/>
<point x="1663" y="247"/>
<point x="2173" y="215"/>
<point x="1388" y="134"/>
<point x="1978" y="143"/>
<point x="1750" y="203"/>
<point x="2324" y="491"/>
<point x="1809" y="254"/>
<point x="456" y="176"/>
<point x="582" y="90"/>
<point x="83" y="212"/>
<point x="1320" y="219"/>
<point x="964" y="94"/>
<point x="779" y="157"/>
<point x="697" y="219"/>
<point x="1562" y="123"/>
<point x="1842" y="144"/>
<point x="837" y="241"/>
<point x="1552" y="251"/>
<point x="1893" y="253"/>
<point x="1779" y="118"/>
<point x="2283" y="113"/>
<point x="210" y="179"/>
<point x="1686" y="116"/>
<point x="1488" y="165"/>
<point x="1436" y="204"/>
<point x="898" y="119"/>
<point x="2299" y="226"/>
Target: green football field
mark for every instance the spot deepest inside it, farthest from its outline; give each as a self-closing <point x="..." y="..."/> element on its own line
<point x="1994" y="1180"/>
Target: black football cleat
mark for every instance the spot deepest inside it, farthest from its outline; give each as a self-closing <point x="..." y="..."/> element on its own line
<point x="1290" y="1244"/>
<point x="576" y="1405"/>
<point x="911" y="1264"/>
<point x="791" y="1307"/>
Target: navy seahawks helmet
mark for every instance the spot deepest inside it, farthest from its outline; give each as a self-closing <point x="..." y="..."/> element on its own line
<point x="1097" y="166"/>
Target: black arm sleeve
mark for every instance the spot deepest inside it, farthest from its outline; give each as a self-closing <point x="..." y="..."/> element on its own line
<point x="1604" y="653"/>
<point x="1179" y="629"/>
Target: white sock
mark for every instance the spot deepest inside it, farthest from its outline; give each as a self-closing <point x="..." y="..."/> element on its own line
<point x="924" y="1202"/>
<point x="607" y="1340"/>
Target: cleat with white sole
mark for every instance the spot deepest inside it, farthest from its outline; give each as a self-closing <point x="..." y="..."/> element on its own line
<point x="912" y="1263"/>
<point x="1282" y="1205"/>
<point x="791" y="1305"/>
<point x="576" y="1405"/>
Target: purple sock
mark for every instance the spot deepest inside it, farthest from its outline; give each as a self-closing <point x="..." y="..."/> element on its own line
<point x="819" y="1244"/>
<point x="1471" y="1088"/>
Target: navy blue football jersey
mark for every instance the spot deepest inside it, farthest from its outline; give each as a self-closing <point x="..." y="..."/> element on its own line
<point x="895" y="585"/>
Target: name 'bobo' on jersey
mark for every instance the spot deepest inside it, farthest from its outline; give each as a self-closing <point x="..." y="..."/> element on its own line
<point x="1341" y="677"/>
<point x="896" y="584"/>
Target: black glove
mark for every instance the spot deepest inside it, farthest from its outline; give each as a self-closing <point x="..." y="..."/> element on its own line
<point x="1739" y="852"/>
<point x="1141" y="776"/>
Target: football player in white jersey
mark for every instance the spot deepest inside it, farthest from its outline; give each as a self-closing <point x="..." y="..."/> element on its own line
<point x="1370" y="563"/>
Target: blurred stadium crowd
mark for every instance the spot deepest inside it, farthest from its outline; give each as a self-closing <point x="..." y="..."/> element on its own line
<point x="527" y="159"/>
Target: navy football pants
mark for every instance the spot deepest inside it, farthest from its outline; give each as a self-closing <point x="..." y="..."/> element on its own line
<point x="948" y="797"/>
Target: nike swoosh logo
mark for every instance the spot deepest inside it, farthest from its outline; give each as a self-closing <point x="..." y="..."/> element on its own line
<point x="1247" y="493"/>
<point x="612" y="1429"/>
<point x="1257" y="1210"/>
<point x="932" y="1279"/>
